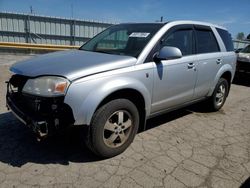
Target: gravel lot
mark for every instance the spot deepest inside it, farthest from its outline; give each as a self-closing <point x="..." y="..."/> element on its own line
<point x="185" y="148"/>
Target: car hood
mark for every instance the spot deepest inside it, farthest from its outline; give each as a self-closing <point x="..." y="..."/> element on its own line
<point x="243" y="54"/>
<point x="71" y="64"/>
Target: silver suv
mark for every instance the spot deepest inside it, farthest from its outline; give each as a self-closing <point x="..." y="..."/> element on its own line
<point x="122" y="77"/>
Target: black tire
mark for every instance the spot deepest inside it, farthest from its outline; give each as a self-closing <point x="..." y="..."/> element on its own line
<point x="104" y="128"/>
<point x="215" y="103"/>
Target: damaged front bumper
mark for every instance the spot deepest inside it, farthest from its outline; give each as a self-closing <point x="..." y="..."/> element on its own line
<point x="44" y="115"/>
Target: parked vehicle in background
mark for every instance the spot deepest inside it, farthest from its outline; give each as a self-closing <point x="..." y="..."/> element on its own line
<point x="238" y="50"/>
<point x="122" y="77"/>
<point x="243" y="59"/>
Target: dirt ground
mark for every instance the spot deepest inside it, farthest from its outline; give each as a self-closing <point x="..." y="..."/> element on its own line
<point x="185" y="148"/>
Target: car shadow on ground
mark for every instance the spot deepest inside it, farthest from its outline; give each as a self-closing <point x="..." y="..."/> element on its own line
<point x="166" y="118"/>
<point x="242" y="78"/>
<point x="246" y="184"/>
<point x="19" y="146"/>
<point x="200" y="107"/>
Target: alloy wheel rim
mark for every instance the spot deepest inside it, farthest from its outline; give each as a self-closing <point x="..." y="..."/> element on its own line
<point x="117" y="128"/>
<point x="220" y="95"/>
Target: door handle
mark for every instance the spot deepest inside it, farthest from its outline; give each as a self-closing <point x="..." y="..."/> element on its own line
<point x="191" y="65"/>
<point x="218" y="61"/>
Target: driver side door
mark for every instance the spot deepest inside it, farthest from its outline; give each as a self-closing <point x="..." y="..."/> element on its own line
<point x="174" y="80"/>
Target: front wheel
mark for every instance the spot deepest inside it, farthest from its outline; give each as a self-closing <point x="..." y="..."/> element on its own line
<point x="113" y="128"/>
<point x="217" y="100"/>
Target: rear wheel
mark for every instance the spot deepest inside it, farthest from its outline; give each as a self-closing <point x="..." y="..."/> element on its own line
<point x="113" y="128"/>
<point x="217" y="100"/>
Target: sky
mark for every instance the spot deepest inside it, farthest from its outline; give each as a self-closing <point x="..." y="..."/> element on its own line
<point x="232" y="14"/>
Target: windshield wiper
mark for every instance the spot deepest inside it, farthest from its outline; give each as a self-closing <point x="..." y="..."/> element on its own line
<point x="102" y="51"/>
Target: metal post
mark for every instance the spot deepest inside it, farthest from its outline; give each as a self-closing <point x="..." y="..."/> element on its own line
<point x="72" y="32"/>
<point x="161" y="18"/>
<point x="27" y="29"/>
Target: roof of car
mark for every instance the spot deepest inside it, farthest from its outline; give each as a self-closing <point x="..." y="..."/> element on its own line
<point x="181" y="22"/>
<point x="196" y="23"/>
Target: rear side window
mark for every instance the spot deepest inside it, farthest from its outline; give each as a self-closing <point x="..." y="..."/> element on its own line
<point x="226" y="38"/>
<point x="206" y="41"/>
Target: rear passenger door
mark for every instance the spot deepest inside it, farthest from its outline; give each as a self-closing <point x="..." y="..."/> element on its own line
<point x="208" y="59"/>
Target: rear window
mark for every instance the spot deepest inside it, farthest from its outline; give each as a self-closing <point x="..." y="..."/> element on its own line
<point x="226" y="38"/>
<point x="206" y="41"/>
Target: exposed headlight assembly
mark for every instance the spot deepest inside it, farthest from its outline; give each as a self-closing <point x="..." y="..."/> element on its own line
<point x="47" y="86"/>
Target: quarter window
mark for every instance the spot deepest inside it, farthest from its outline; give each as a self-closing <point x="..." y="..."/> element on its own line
<point x="227" y="39"/>
<point x="206" y="42"/>
<point x="181" y="39"/>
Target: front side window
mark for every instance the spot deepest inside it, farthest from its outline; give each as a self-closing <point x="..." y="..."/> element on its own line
<point x="181" y="39"/>
<point x="206" y="42"/>
<point x="123" y="39"/>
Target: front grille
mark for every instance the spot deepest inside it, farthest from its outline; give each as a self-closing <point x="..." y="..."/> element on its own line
<point x="25" y="103"/>
<point x="243" y="66"/>
<point x="17" y="82"/>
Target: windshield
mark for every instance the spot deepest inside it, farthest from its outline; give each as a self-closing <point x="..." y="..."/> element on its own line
<point x="123" y="39"/>
<point x="246" y="49"/>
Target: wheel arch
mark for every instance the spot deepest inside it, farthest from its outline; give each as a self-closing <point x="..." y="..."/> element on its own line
<point x="135" y="97"/>
<point x="228" y="76"/>
<point x="225" y="72"/>
<point x="128" y="88"/>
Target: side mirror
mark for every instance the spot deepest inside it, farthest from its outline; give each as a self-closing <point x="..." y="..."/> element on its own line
<point x="168" y="52"/>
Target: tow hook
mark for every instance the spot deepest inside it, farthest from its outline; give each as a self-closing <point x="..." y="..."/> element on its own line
<point x="8" y="108"/>
<point x="41" y="128"/>
<point x="7" y="82"/>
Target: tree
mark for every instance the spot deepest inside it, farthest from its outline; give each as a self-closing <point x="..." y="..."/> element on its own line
<point x="240" y="36"/>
